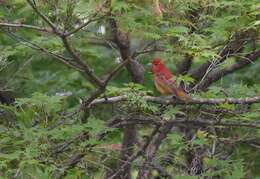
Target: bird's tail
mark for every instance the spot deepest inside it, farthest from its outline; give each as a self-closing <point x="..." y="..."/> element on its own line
<point x="183" y="95"/>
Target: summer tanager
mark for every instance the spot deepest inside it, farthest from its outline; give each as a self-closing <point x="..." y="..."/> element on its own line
<point x="164" y="83"/>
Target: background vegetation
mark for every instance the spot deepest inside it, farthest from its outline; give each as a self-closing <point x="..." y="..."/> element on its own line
<point x="78" y="100"/>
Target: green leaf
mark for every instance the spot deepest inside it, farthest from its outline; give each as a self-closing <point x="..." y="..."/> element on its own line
<point x="118" y="5"/>
<point x="226" y="106"/>
<point x="175" y="138"/>
<point x="151" y="36"/>
<point x="186" y="177"/>
<point x="177" y="31"/>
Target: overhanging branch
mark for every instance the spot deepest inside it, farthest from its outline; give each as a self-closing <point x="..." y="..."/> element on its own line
<point x="65" y="60"/>
<point x="92" y="19"/>
<point x="234" y="45"/>
<point x="218" y="74"/>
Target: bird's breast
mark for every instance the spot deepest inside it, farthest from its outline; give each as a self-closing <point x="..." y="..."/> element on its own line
<point x="160" y="87"/>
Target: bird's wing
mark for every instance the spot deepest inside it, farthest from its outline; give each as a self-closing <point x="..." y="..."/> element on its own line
<point x="164" y="85"/>
<point x="168" y="86"/>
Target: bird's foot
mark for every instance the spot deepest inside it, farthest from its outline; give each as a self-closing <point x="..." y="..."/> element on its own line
<point x="174" y="98"/>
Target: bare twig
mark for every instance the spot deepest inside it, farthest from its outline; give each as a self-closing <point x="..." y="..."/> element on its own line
<point x="87" y="70"/>
<point x="116" y="69"/>
<point x="65" y="60"/>
<point x="17" y="25"/>
<point x="156" y="49"/>
<point x="83" y="25"/>
<point x="147" y="48"/>
<point x="91" y="19"/>
<point x="45" y="18"/>
<point x="86" y="102"/>
<point x="214" y="76"/>
<point x="235" y="44"/>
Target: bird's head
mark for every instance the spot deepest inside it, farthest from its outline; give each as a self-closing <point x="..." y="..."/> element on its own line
<point x="157" y="65"/>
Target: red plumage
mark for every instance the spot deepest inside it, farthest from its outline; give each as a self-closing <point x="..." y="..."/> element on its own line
<point x="164" y="83"/>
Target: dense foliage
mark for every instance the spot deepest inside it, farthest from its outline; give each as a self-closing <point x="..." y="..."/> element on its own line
<point x="59" y="56"/>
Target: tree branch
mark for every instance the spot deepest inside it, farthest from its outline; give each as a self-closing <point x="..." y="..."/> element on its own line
<point x="92" y="19"/>
<point x="45" y="18"/>
<point x="152" y="148"/>
<point x="171" y="100"/>
<point x="158" y="121"/>
<point x="166" y="126"/>
<point x="87" y="101"/>
<point x="215" y="76"/>
<point x="184" y="65"/>
<point x="235" y="43"/>
<point x="64" y="60"/>
<point x="146" y="51"/>
<point x="136" y="71"/>
<point x="121" y="39"/>
<point x="111" y="74"/>
<point x="88" y="71"/>
<point x="134" y="156"/>
<point x="12" y="25"/>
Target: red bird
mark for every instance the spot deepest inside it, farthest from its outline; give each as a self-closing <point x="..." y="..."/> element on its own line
<point x="164" y="83"/>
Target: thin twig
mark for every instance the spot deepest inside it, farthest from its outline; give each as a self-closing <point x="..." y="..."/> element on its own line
<point x="116" y="69"/>
<point x="78" y="60"/>
<point x="45" y="18"/>
<point x="17" y="25"/>
<point x="92" y="19"/>
<point x="65" y="60"/>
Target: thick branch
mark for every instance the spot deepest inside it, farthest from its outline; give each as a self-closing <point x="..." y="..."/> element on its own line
<point x="215" y="76"/>
<point x="136" y="71"/>
<point x="121" y="39"/>
<point x="184" y="65"/>
<point x="171" y="100"/>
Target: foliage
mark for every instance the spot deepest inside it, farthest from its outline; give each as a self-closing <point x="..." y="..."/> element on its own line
<point x="43" y="128"/>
